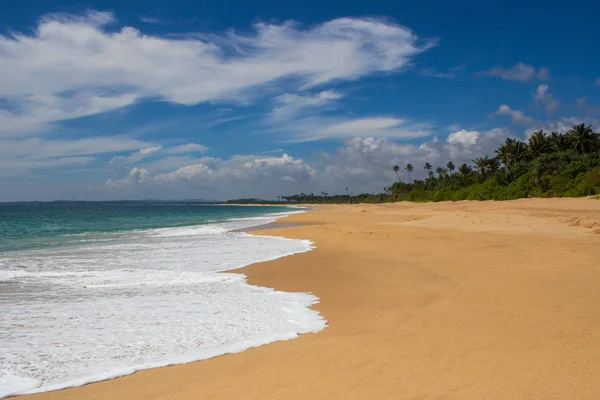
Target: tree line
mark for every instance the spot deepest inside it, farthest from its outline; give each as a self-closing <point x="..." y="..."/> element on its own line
<point x="545" y="165"/>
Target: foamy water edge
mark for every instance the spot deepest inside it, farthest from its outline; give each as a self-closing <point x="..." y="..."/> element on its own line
<point x="314" y="322"/>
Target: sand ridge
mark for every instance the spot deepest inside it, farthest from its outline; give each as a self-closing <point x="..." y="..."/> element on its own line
<point x="466" y="300"/>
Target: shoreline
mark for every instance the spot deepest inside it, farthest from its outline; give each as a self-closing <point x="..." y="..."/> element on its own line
<point x="495" y="300"/>
<point x="304" y="319"/>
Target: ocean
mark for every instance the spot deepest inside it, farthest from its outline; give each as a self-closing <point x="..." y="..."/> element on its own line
<point x="93" y="291"/>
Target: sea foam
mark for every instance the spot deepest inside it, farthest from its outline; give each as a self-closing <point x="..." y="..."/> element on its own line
<point x="134" y="300"/>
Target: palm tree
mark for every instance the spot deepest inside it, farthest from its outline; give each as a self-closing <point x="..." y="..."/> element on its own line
<point x="504" y="152"/>
<point x="493" y="165"/>
<point x="511" y="152"/>
<point x="582" y="138"/>
<point x="427" y="167"/>
<point x="396" y="168"/>
<point x="409" y="168"/>
<point x="481" y="165"/>
<point x="450" y="166"/>
<point x="559" y="142"/>
<point x="465" y="171"/>
<point x="440" y="171"/>
<point x="538" y="144"/>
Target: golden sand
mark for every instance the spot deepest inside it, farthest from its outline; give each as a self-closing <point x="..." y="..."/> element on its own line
<point x="467" y="300"/>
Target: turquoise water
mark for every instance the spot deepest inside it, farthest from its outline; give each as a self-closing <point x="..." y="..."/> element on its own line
<point x="33" y="225"/>
<point x="94" y="291"/>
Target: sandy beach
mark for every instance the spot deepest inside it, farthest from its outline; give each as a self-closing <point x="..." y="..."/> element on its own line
<point x="466" y="300"/>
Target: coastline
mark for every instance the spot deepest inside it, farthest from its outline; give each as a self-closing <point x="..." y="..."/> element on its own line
<point x="264" y="315"/>
<point x="492" y="300"/>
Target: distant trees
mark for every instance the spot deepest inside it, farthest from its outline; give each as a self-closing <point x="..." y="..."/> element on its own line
<point x="396" y="168"/>
<point x="583" y="139"/>
<point x="441" y="172"/>
<point x="428" y="167"/>
<point x="409" y="168"/>
<point x="558" y="164"/>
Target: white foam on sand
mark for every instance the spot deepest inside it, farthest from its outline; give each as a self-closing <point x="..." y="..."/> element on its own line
<point x="106" y="308"/>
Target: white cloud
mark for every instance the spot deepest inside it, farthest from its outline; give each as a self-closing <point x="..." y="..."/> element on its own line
<point x="119" y="163"/>
<point x="35" y="110"/>
<point x="289" y="105"/>
<point x="38" y="148"/>
<point x="519" y="72"/>
<point x="362" y="164"/>
<point x="19" y="156"/>
<point x="91" y="17"/>
<point x="135" y="176"/>
<point x="544" y="99"/>
<point x="19" y="166"/>
<point x="69" y="58"/>
<point x="237" y="176"/>
<point x="517" y="116"/>
<point x="188" y="148"/>
<point x="299" y="118"/>
<point x="463" y="137"/>
<point x="316" y="128"/>
<point x="150" y="20"/>
<point x="563" y="124"/>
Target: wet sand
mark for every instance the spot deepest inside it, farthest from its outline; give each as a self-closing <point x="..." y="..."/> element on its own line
<point x="467" y="300"/>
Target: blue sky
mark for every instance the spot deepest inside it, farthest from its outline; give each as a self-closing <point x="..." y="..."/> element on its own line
<point x="187" y="99"/>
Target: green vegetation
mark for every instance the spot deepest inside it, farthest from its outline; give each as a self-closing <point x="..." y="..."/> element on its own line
<point x="555" y="165"/>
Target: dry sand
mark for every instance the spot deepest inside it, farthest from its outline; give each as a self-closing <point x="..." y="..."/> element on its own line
<point x="468" y="300"/>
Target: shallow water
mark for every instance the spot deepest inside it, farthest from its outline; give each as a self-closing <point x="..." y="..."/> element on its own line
<point x="100" y="304"/>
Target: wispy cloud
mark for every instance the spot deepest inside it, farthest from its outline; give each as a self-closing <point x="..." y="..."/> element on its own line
<point x="75" y="59"/>
<point x="518" y="72"/>
<point x="150" y="20"/>
<point x="320" y="128"/>
<point x="544" y="99"/>
<point x="188" y="148"/>
<point x="289" y="105"/>
<point x="18" y="156"/>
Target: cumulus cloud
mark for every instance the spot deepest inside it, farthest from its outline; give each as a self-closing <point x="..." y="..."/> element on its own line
<point x="563" y="124"/>
<point x="72" y="66"/>
<point x="362" y="164"/>
<point x="464" y="138"/>
<point x="517" y="116"/>
<point x="135" y="176"/>
<point x="544" y="99"/>
<point x="237" y="176"/>
<point x="519" y="72"/>
<point x="365" y="163"/>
